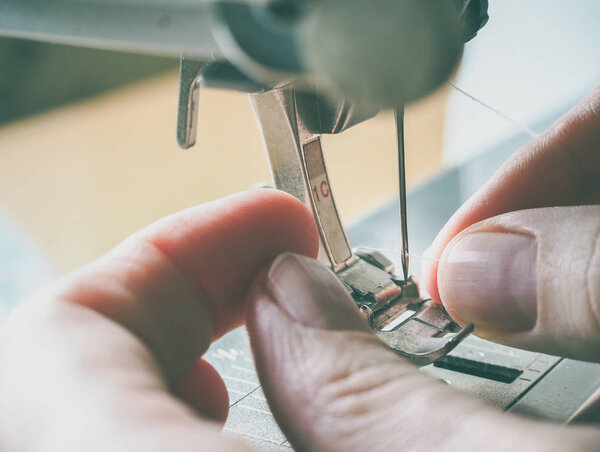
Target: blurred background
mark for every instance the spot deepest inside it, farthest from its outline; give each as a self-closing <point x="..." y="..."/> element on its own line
<point x="87" y="137"/>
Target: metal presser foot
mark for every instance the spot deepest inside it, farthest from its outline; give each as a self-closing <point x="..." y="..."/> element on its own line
<point x="415" y="328"/>
<point x="420" y="330"/>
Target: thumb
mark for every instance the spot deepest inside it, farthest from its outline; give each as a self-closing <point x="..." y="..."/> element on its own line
<point x="333" y="386"/>
<point x="529" y="279"/>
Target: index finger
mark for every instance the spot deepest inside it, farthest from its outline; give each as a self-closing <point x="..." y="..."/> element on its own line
<point x="181" y="283"/>
<point x="560" y="168"/>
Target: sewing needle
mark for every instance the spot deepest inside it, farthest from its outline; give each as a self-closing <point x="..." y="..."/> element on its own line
<point x="399" y="114"/>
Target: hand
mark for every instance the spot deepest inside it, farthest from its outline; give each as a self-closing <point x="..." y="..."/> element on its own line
<point x="529" y="278"/>
<point x="521" y="258"/>
<point x="95" y="361"/>
<point x="107" y="359"/>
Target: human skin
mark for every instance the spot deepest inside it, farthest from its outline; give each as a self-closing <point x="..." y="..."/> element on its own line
<point x="109" y="357"/>
<point x="521" y="258"/>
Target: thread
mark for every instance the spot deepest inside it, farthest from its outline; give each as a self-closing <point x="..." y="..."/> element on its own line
<point x="423" y="257"/>
<point x="399" y="253"/>
<point x="507" y="118"/>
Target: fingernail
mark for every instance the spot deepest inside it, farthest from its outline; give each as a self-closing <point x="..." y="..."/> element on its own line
<point x="489" y="279"/>
<point x="312" y="295"/>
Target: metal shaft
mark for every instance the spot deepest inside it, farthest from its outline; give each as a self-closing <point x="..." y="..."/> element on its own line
<point x="163" y="27"/>
<point x="399" y="114"/>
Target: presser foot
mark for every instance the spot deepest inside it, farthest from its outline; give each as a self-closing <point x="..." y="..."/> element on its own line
<point x="415" y="328"/>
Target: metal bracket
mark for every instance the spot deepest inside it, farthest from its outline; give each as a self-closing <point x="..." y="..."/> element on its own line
<point x="196" y="73"/>
<point x="415" y="328"/>
<point x="298" y="167"/>
<point x="190" y="82"/>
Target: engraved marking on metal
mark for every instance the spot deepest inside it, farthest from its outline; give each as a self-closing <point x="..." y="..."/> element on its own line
<point x="324" y="204"/>
<point x="292" y="150"/>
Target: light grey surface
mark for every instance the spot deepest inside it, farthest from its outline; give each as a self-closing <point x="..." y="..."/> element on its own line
<point x="570" y="383"/>
<point x="249" y="415"/>
<point x="533" y="368"/>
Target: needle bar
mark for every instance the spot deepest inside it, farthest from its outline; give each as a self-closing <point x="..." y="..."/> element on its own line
<point x="399" y="114"/>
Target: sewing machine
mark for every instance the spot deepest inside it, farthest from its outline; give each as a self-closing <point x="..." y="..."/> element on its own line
<point x="300" y="89"/>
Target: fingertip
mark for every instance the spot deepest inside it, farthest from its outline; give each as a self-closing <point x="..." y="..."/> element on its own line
<point x="488" y="277"/>
<point x="269" y="329"/>
<point x="430" y="263"/>
<point x="294" y="213"/>
<point x="263" y="316"/>
<point x="222" y="245"/>
<point x="442" y="284"/>
<point x="446" y="285"/>
<point x="429" y="272"/>
<point x="256" y="296"/>
<point x="203" y="389"/>
<point x="182" y="281"/>
<point x="265" y="215"/>
<point x="275" y="220"/>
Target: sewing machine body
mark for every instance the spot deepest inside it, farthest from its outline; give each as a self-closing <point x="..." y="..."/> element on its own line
<point x="227" y="43"/>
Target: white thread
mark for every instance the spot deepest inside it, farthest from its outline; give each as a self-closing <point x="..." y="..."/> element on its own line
<point x="399" y="253"/>
<point x="423" y="258"/>
<point x="521" y="126"/>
